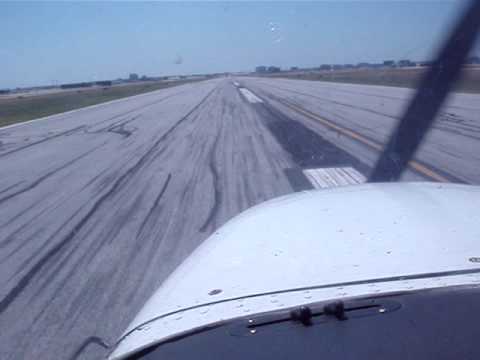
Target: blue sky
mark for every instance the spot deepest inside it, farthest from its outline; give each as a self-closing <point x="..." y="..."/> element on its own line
<point x="65" y="42"/>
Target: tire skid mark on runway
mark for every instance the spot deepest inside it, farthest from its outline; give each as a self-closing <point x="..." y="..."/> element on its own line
<point x="63" y="133"/>
<point x="153" y="209"/>
<point x="49" y="174"/>
<point x="25" y="241"/>
<point x="332" y="88"/>
<point x="118" y="184"/>
<point x="147" y="154"/>
<point x="217" y="194"/>
<point x="25" y="280"/>
<point x="11" y="186"/>
<point x="12" y="236"/>
<point x="426" y="170"/>
<point x="54" y="269"/>
<point x="121" y="218"/>
<point x="444" y="150"/>
<point x="140" y="107"/>
<point x="85" y="127"/>
<point x="356" y="107"/>
<point x="80" y="263"/>
<point x="76" y="300"/>
<point x="455" y="129"/>
<point x="117" y="127"/>
<point x="92" y="340"/>
<point x="442" y="123"/>
<point x="30" y="208"/>
<point x="28" y="261"/>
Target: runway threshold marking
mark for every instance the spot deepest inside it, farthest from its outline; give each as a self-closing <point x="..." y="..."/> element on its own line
<point x="324" y="178"/>
<point x="422" y="169"/>
<point x="251" y="97"/>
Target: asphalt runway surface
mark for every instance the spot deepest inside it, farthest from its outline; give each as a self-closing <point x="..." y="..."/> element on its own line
<point x="99" y="205"/>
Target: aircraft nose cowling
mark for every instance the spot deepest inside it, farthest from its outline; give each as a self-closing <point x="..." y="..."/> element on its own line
<point x="317" y="245"/>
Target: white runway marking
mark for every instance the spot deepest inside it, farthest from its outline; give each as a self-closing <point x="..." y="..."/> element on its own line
<point x="236" y="84"/>
<point x="251" y="97"/>
<point x="333" y="177"/>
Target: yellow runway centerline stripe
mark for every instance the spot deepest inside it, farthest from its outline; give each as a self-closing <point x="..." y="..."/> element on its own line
<point x="422" y="169"/>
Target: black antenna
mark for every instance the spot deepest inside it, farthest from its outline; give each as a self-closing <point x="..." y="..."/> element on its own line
<point x="432" y="92"/>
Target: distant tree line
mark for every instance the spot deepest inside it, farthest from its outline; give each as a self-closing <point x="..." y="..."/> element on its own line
<point x="267" y="69"/>
<point x="387" y="63"/>
<point x="86" y="84"/>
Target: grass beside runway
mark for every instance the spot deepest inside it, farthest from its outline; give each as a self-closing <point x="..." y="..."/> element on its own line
<point x="407" y="77"/>
<point x="24" y="108"/>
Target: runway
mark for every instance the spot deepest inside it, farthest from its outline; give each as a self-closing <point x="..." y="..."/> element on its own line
<point x="99" y="205"/>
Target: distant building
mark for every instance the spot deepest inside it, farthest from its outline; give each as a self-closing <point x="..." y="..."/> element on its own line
<point x="426" y="63"/>
<point x="325" y="67"/>
<point x="390" y="63"/>
<point x="348" y="66"/>
<point x="337" y="67"/>
<point x="294" y="68"/>
<point x="4" y="91"/>
<point x="405" y="63"/>
<point x="273" y="69"/>
<point x="133" y="77"/>
<point x="261" y="69"/>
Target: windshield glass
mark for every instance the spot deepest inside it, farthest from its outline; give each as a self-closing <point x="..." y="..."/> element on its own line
<point x="130" y="132"/>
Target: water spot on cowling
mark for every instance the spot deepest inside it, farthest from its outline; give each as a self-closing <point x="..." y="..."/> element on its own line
<point x="215" y="292"/>
<point x="204" y="310"/>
